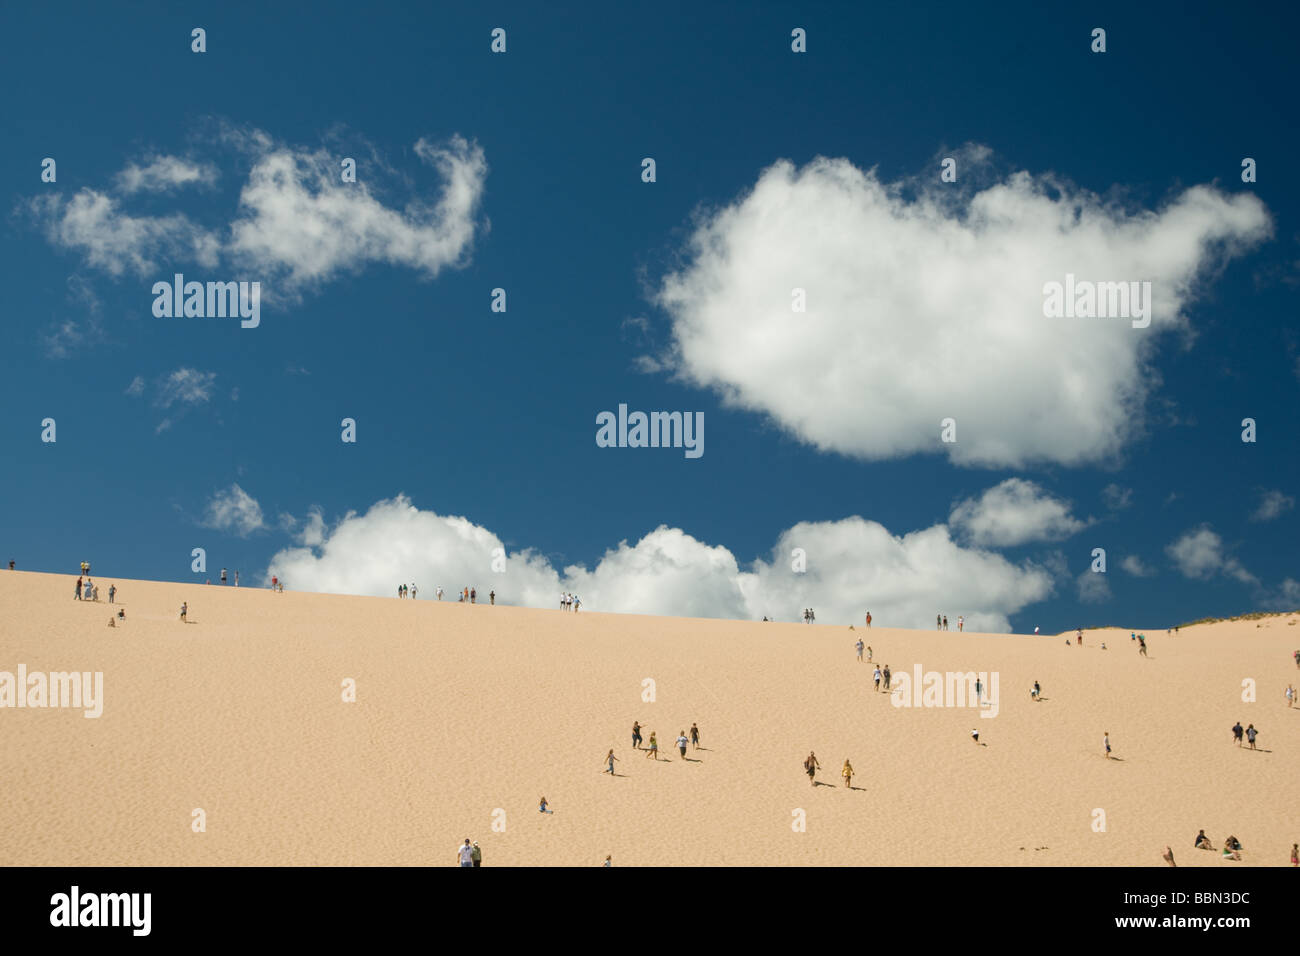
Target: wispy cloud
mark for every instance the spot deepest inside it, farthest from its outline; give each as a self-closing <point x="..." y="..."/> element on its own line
<point x="234" y="510"/>
<point x="163" y="174"/>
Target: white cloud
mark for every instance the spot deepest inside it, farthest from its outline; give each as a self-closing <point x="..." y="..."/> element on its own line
<point x="1287" y="596"/>
<point x="234" y="510"/>
<point x="136" y="387"/>
<point x="165" y="173"/>
<point x="1093" y="587"/>
<point x="186" y="386"/>
<point x="1011" y="513"/>
<point x="297" y="223"/>
<point x="1200" y="555"/>
<point x="1134" y="566"/>
<point x="93" y="224"/>
<point x="853" y="565"/>
<point x="1272" y="504"/>
<point x="299" y="218"/>
<point x="920" y="309"/>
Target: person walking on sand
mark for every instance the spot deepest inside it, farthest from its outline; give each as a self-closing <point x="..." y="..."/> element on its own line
<point x="961" y="622"/>
<point x="1034" y="694"/>
<point x="1251" y="733"/>
<point x="876" y="677"/>
<point x="1290" y="695"/>
<point x="223" y="575"/>
<point x="847" y="774"/>
<point x="609" y="760"/>
<point x="473" y="595"/>
<point x="1237" y="732"/>
<point x="682" y="741"/>
<point x="859" y="646"/>
<point x="653" y="751"/>
<point x="438" y="592"/>
<point x="979" y="690"/>
<point x="477" y="855"/>
<point x="695" y="736"/>
<point x="888" y="678"/>
<point x="1105" y="739"/>
<point x="413" y="592"/>
<point x="868" y="619"/>
<point x="465" y="853"/>
<point x="636" y="735"/>
<point x="112" y="593"/>
<point x="945" y="622"/>
<point x="185" y="609"/>
<point x="236" y="579"/>
<point x="78" y="589"/>
<point x="1142" y="645"/>
<point x="938" y="622"/>
<point x="811" y="766"/>
<point x="869" y="653"/>
<point x="492" y="597"/>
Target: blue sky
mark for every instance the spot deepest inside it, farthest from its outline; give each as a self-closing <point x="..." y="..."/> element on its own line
<point x="177" y="433"/>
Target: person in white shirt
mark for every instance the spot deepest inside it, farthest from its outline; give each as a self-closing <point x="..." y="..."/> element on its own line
<point x="465" y="853"/>
<point x="439" y="592"/>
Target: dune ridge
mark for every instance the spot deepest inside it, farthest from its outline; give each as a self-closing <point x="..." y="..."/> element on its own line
<point x="465" y="715"/>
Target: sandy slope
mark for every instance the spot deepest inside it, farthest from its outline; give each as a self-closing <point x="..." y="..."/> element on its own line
<point x="462" y="710"/>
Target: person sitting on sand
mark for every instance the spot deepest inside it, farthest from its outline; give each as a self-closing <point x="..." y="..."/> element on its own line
<point x="112" y="622"/>
<point x="1230" y="854"/>
<point x="1203" y="842"/>
<point x="1232" y="843"/>
<point x="121" y="615"/>
<point x="975" y="735"/>
<point x="541" y="808"/>
<point x="1295" y="854"/>
<point x="847" y="774"/>
<point x="810" y="767"/>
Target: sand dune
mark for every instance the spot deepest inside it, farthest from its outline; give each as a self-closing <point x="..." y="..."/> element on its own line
<point x="462" y="711"/>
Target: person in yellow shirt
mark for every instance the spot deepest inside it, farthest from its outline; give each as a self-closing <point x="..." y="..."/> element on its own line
<point x="847" y="774"/>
